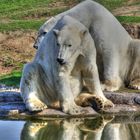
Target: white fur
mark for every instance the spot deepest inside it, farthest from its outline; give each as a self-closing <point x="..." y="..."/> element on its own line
<point x="112" y="42"/>
<point x="50" y="81"/>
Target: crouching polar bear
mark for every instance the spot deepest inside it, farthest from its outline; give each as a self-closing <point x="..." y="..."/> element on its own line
<point x="118" y="55"/>
<point x="64" y="63"/>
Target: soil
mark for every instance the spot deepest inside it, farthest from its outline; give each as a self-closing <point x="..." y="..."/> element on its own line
<point x="15" y="49"/>
<point x="128" y="11"/>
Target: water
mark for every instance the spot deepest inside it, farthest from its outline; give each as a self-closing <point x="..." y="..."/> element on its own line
<point x="10" y="130"/>
<point x="96" y="128"/>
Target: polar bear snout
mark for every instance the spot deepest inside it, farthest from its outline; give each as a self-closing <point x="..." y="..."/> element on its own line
<point x="61" y="61"/>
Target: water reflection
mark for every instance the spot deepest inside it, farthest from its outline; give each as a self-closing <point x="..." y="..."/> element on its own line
<point x="101" y="128"/>
<point x="10" y="130"/>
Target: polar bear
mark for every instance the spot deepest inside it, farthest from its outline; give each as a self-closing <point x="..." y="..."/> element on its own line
<point x="118" y="56"/>
<point x="64" y="63"/>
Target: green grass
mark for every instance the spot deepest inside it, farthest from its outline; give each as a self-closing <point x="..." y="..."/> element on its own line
<point x="18" y="7"/>
<point x="112" y="4"/>
<point x="29" y="14"/>
<point x="10" y="7"/>
<point x="21" y="24"/>
<point x="36" y="13"/>
<point x="127" y="90"/>
<point x="12" y="79"/>
<point x="25" y="8"/>
<point x="26" y="14"/>
<point x="128" y="19"/>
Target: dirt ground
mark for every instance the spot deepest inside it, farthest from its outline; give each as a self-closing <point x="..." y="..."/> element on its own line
<point x="15" y="49"/>
<point x="127" y="11"/>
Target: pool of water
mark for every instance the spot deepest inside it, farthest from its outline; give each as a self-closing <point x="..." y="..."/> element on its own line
<point x="95" y="128"/>
<point x="11" y="130"/>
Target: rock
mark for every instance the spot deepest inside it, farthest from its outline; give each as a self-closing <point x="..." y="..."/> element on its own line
<point x="137" y="100"/>
<point x="10" y="96"/>
<point x="11" y="104"/>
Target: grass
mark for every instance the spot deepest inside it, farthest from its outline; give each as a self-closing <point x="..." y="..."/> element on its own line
<point x="127" y="90"/>
<point x="35" y="24"/>
<point x="24" y="8"/>
<point x="21" y="24"/>
<point x="30" y="14"/>
<point x="112" y="4"/>
<point x="37" y="13"/>
<point x="11" y="7"/>
<point x="12" y="79"/>
<point x="27" y="14"/>
<point x="128" y="19"/>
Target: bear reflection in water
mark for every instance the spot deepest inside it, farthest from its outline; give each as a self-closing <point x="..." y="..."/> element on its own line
<point x="101" y="128"/>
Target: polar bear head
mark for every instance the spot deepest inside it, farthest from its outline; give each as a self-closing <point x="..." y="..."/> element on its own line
<point x="44" y="29"/>
<point x="70" y="39"/>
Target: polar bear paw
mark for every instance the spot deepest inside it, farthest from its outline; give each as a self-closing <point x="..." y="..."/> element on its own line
<point x="111" y="85"/>
<point x="88" y="127"/>
<point x="96" y="103"/>
<point x="35" y="127"/>
<point x="86" y="99"/>
<point x="108" y="104"/>
<point x="73" y="109"/>
<point x="70" y="122"/>
<point x="135" y="84"/>
<point x="99" y="104"/>
<point x="35" y="104"/>
<point x="99" y="123"/>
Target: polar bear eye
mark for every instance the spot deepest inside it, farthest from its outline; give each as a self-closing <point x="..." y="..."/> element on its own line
<point x="69" y="45"/>
<point x="44" y="33"/>
<point x="58" y="44"/>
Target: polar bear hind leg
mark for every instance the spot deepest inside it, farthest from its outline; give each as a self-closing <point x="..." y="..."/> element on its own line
<point x="134" y="75"/>
<point x="135" y="84"/>
<point x="112" y="80"/>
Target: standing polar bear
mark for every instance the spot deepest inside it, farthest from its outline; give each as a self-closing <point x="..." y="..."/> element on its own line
<point x="64" y="63"/>
<point x="118" y="55"/>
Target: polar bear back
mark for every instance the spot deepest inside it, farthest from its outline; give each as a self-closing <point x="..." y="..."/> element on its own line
<point x="103" y="26"/>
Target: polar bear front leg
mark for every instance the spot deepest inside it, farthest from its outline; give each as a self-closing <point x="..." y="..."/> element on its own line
<point x="91" y="79"/>
<point x="66" y="96"/>
<point x="28" y="86"/>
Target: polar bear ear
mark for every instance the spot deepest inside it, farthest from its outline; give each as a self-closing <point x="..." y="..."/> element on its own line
<point x="83" y="32"/>
<point x="56" y="32"/>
